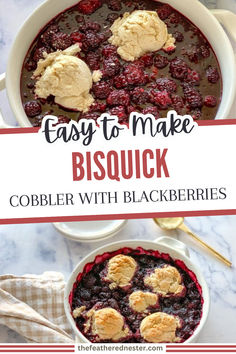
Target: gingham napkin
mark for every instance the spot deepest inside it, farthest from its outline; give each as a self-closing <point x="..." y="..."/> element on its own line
<point x="32" y="305"/>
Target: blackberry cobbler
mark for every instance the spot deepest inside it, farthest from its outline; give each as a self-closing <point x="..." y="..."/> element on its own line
<point x="136" y="296"/>
<point x="183" y="74"/>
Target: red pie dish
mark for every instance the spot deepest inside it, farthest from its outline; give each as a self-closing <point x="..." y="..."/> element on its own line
<point x="186" y="78"/>
<point x="134" y="295"/>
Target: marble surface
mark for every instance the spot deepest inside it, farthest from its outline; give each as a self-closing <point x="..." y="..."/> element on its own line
<point x="37" y="248"/>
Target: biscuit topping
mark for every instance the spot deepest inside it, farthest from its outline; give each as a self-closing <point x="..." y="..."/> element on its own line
<point x="160" y="328"/>
<point x="139" y="301"/>
<point x="65" y="76"/>
<point x="107" y="323"/>
<point x="78" y="311"/>
<point x="166" y="280"/>
<point x="140" y="32"/>
<point x="120" y="270"/>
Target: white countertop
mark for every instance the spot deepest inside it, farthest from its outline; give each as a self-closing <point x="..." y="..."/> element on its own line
<point x="37" y="248"/>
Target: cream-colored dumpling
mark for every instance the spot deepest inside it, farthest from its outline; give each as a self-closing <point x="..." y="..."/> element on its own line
<point x="78" y="311"/>
<point x="97" y="75"/>
<point x="166" y="280"/>
<point x="65" y="76"/>
<point x="120" y="270"/>
<point x="139" y="301"/>
<point x="138" y="33"/>
<point x="107" y="324"/>
<point x="160" y="327"/>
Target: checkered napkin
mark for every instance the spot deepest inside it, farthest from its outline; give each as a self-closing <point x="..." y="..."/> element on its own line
<point x="32" y="305"/>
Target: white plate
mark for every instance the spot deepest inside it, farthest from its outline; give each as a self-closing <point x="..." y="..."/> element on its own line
<point x="88" y="231"/>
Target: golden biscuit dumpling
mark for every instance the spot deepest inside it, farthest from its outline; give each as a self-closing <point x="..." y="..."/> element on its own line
<point x="139" y="301"/>
<point x="78" y="311"/>
<point x="164" y="281"/>
<point x="107" y="324"/>
<point x="160" y="327"/>
<point x="120" y="270"/>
